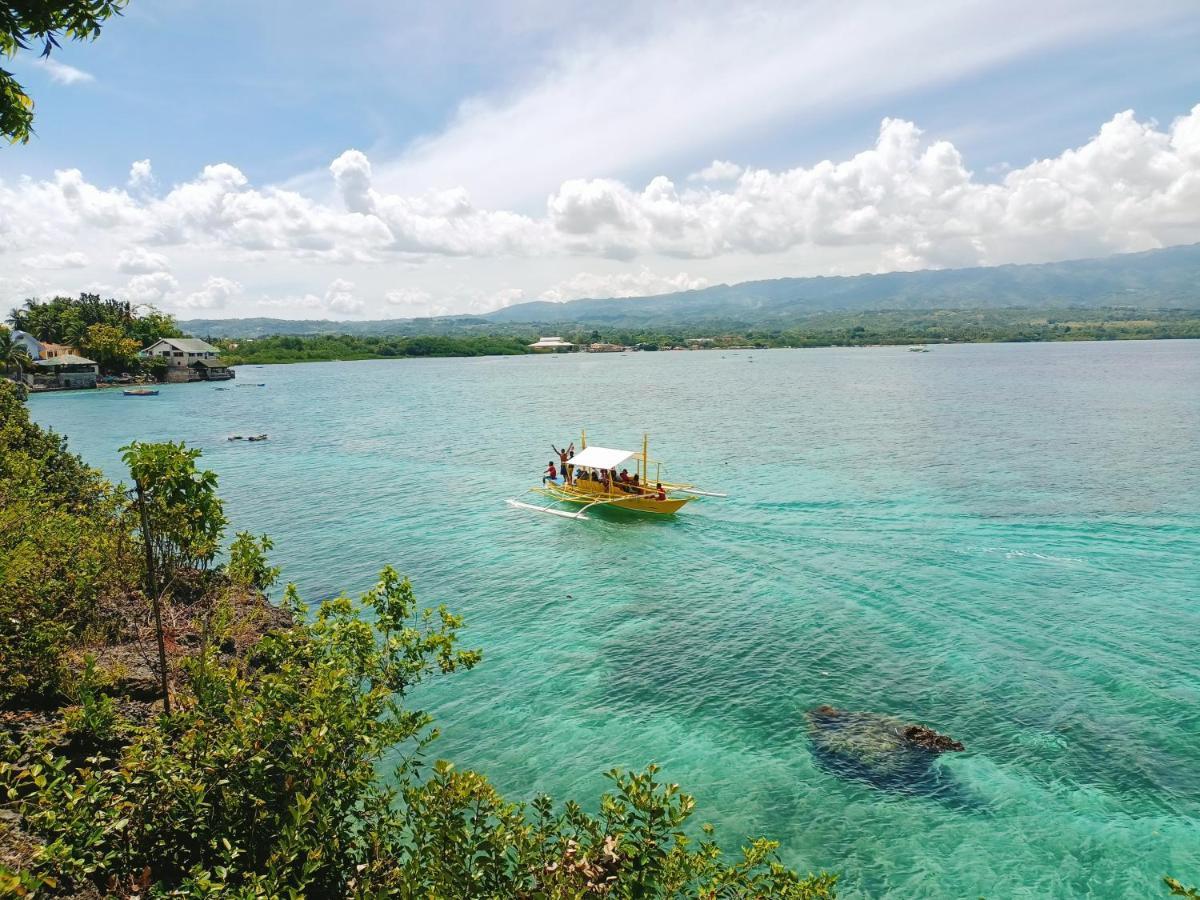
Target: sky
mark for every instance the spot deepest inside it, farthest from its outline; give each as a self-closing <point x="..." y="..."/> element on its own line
<point x="359" y="159"/>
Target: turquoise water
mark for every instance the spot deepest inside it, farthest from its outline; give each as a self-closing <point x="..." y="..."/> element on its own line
<point x="999" y="541"/>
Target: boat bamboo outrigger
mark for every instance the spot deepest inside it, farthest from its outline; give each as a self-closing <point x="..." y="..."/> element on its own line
<point x="588" y="482"/>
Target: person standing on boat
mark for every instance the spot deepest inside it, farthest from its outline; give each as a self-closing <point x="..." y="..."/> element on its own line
<point x="551" y="473"/>
<point x="563" y="455"/>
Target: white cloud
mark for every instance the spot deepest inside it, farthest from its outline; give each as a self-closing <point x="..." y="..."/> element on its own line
<point x="642" y="283"/>
<point x="139" y="260"/>
<point x="72" y="260"/>
<point x="61" y="73"/>
<point x="339" y="298"/>
<point x="717" y="170"/>
<point x="653" y="88"/>
<point x="907" y="201"/>
<point x="213" y="295"/>
<point x="152" y="287"/>
<point x="141" y="176"/>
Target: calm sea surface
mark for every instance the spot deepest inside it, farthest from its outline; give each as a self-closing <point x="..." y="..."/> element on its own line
<point x="1000" y="541"/>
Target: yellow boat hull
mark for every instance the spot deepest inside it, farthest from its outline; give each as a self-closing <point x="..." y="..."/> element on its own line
<point x="586" y="492"/>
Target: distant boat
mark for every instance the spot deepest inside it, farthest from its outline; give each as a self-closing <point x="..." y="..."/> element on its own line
<point x="918" y="349"/>
<point x="260" y="384"/>
<point x="139" y="392"/>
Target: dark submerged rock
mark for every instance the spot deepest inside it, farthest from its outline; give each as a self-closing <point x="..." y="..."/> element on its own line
<point x="884" y="751"/>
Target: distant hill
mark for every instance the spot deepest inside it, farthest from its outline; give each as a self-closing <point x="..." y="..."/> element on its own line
<point x="1156" y="279"/>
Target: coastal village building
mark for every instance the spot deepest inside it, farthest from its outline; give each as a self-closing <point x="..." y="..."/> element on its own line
<point x="64" y="371"/>
<point x="188" y="359"/>
<point x="607" y="348"/>
<point x="51" y="350"/>
<point x="211" y="370"/>
<point x="553" y="344"/>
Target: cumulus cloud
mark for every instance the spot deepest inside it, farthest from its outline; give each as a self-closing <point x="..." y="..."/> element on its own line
<point x="61" y="73"/>
<point x="72" y="260"/>
<point x="907" y="201"/>
<point x="339" y="297"/>
<point x="139" y="260"/>
<point x="151" y="287"/>
<point x="717" y="170"/>
<point x="141" y="176"/>
<point x="213" y="295"/>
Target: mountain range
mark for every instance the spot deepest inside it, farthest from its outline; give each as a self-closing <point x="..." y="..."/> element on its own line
<point x="1156" y="279"/>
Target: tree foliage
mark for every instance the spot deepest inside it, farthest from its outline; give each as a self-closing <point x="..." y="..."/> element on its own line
<point x="64" y="553"/>
<point x="111" y="331"/>
<point x="24" y="24"/>
<point x="264" y="783"/>
<point x="185" y="516"/>
<point x="14" y="358"/>
<point x="248" y="565"/>
<point x="110" y="347"/>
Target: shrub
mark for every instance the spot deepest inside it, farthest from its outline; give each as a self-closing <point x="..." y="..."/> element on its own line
<point x="248" y="564"/>
<point x="264" y="782"/>
<point x="64" y="556"/>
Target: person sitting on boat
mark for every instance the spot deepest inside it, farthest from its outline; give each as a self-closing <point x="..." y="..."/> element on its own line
<point x="637" y="488"/>
<point x="661" y="494"/>
<point x="551" y="473"/>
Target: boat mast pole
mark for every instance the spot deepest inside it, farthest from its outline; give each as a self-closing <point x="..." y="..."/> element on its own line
<point x="645" y="458"/>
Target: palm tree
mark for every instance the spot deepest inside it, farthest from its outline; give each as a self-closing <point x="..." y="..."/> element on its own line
<point x="13" y="355"/>
<point x="76" y="333"/>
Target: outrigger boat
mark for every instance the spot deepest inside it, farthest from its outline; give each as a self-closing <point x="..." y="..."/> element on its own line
<point x="586" y="485"/>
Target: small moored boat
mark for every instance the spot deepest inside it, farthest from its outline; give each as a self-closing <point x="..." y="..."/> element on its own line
<point x="588" y="482"/>
<point x="139" y="392"/>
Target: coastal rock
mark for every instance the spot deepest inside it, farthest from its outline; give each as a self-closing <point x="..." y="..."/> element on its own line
<point x="883" y="750"/>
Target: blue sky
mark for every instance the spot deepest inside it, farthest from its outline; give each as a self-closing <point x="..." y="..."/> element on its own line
<point x="487" y="154"/>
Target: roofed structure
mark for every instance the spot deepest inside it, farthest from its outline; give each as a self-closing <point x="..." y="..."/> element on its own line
<point x="599" y="458"/>
<point x="186" y="345"/>
<point x="64" y="359"/>
<point x="554" y="342"/>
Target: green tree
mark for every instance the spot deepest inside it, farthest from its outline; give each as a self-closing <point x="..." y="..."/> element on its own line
<point x="14" y="358"/>
<point x="185" y="516"/>
<point x="265" y="783"/>
<point x="248" y="563"/>
<point x="65" y="554"/>
<point x="41" y="22"/>
<point x="111" y="348"/>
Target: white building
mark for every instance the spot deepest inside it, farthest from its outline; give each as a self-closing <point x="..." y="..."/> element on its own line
<point x="188" y="359"/>
<point x="551" y="344"/>
<point x="181" y="352"/>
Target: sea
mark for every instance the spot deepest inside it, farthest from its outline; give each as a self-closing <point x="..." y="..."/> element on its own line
<point x="1001" y="542"/>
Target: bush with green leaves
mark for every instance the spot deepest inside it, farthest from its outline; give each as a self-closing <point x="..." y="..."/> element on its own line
<point x="264" y="782"/>
<point x="184" y="515"/>
<point x="65" y="556"/>
<point x="248" y="565"/>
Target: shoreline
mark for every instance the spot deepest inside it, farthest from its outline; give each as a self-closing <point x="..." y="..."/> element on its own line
<point x="805" y="346"/>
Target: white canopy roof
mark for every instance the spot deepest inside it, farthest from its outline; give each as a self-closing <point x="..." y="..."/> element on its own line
<point x="600" y="458"/>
